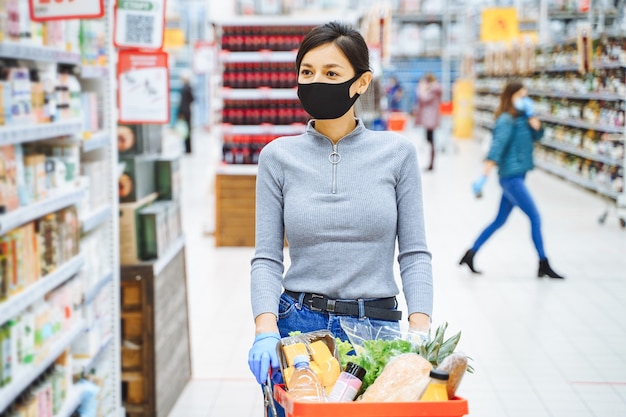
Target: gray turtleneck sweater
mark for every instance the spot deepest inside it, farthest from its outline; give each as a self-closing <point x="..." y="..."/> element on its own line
<point x="341" y="209"/>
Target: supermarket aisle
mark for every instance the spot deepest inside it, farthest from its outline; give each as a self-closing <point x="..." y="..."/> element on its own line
<point x="540" y="347"/>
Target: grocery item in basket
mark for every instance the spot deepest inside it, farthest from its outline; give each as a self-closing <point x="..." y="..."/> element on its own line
<point x="456" y="365"/>
<point x="436" y="390"/>
<point x="304" y="383"/>
<point x="348" y="384"/>
<point x="403" y="379"/>
<point x="319" y="347"/>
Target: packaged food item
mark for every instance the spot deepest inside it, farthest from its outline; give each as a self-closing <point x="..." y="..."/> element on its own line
<point x="456" y="366"/>
<point x="304" y="385"/>
<point x="348" y="384"/>
<point x="403" y="379"/>
<point x="436" y="389"/>
<point x="319" y="347"/>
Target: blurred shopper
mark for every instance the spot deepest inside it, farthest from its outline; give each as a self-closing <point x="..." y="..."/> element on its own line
<point x="320" y="190"/>
<point x="429" y="102"/>
<point x="515" y="130"/>
<point x="394" y="95"/>
<point x="184" y="109"/>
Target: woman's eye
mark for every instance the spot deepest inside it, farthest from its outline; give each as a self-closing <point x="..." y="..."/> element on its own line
<point x="305" y="72"/>
<point x="331" y="74"/>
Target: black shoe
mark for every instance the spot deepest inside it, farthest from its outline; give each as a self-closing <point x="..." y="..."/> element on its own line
<point x="545" y="269"/>
<point x="468" y="259"/>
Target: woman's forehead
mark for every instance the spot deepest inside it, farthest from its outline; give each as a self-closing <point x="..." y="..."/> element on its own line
<point x="326" y="55"/>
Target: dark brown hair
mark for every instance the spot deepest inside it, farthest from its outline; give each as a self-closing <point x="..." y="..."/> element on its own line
<point x="506" y="99"/>
<point x="347" y="39"/>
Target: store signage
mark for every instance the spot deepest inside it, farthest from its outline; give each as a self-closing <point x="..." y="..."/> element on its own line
<point x="204" y="57"/>
<point x="139" y="24"/>
<point x="143" y="87"/>
<point x="499" y="24"/>
<point x="42" y="10"/>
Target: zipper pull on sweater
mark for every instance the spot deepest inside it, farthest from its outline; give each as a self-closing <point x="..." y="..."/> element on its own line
<point x="334" y="159"/>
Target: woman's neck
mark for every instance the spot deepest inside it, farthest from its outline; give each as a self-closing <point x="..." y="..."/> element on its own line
<point x="336" y="129"/>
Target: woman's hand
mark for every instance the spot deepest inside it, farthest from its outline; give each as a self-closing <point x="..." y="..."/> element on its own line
<point x="535" y="123"/>
<point x="419" y="322"/>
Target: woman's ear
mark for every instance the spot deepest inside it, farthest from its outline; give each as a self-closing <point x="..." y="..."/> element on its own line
<point x="363" y="82"/>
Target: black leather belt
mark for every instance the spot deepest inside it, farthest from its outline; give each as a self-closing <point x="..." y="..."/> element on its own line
<point x="380" y="308"/>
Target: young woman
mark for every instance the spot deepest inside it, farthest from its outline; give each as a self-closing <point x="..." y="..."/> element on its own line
<point x="341" y="195"/>
<point x="511" y="150"/>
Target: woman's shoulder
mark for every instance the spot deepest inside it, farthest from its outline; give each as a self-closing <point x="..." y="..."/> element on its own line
<point x="505" y="118"/>
<point x="391" y="139"/>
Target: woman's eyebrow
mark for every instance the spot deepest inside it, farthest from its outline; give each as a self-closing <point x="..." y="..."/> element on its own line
<point x="326" y="66"/>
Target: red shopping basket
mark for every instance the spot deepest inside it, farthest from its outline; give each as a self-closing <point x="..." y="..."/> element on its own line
<point x="455" y="407"/>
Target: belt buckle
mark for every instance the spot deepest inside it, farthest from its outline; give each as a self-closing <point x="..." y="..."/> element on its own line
<point x="311" y="306"/>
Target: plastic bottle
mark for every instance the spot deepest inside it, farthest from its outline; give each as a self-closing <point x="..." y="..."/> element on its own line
<point x="436" y="389"/>
<point x="304" y="384"/>
<point x="348" y="384"/>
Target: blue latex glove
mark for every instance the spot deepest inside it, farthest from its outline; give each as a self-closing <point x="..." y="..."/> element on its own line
<point x="528" y="106"/>
<point x="477" y="186"/>
<point x="263" y="354"/>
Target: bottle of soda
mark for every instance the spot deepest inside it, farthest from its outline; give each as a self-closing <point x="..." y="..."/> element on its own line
<point x="304" y="384"/>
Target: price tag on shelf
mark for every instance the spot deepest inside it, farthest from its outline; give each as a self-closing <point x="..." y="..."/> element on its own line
<point x="143" y="87"/>
<point x="42" y="10"/>
<point x="139" y="24"/>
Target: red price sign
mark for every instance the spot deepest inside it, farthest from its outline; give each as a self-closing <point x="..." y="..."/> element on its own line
<point x="42" y="10"/>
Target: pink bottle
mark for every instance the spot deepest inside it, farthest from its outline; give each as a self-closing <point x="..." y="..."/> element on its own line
<point x="348" y="384"/>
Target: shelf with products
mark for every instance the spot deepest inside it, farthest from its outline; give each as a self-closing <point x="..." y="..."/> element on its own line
<point x="86" y="365"/>
<point x="15" y="304"/>
<point x="11" y="391"/>
<point x="25" y="51"/>
<point x="61" y="198"/>
<point x="95" y="218"/>
<point x="93" y="292"/>
<point x="15" y="134"/>
<point x="584" y="112"/>
<point x="71" y="403"/>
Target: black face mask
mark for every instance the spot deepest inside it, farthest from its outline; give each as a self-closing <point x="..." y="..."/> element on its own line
<point x="327" y="101"/>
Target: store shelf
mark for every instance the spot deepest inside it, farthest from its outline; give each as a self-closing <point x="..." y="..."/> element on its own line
<point x="422" y="18"/>
<point x="263" y="93"/>
<point x="19" y="302"/>
<point x="71" y="403"/>
<point x="581" y="153"/>
<point x="15" y="388"/>
<point x="164" y="260"/>
<point x="89" y="71"/>
<point x="37" y="53"/>
<point x="577" y="96"/>
<point x="93" y="292"/>
<point x="580" y="124"/>
<point x="88" y="364"/>
<point x="236" y="169"/>
<point x="575" y="179"/>
<point x="260" y="56"/>
<point x="22" y="215"/>
<point x="97" y="140"/>
<point x="14" y="134"/>
<point x="263" y="129"/>
<point x="92" y="220"/>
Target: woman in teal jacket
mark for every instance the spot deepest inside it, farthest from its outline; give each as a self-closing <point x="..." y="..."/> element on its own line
<point x="514" y="134"/>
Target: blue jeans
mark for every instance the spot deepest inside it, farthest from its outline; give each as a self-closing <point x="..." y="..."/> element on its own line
<point x="294" y="316"/>
<point x="515" y="193"/>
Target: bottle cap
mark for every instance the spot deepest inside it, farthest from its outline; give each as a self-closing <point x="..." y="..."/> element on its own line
<point x="441" y="375"/>
<point x="356" y="370"/>
<point x="301" y="359"/>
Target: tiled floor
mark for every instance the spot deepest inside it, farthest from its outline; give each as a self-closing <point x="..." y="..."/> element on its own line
<point x="540" y="347"/>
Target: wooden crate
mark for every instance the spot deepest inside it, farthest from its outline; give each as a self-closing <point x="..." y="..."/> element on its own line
<point x="154" y="294"/>
<point x="235" y="197"/>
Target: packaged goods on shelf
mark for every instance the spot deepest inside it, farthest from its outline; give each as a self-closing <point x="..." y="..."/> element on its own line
<point x="129" y="229"/>
<point x="92" y="42"/>
<point x="137" y="181"/>
<point x="89" y="105"/>
<point x="9" y="199"/>
<point x="160" y="227"/>
<point x="98" y="329"/>
<point x="139" y="139"/>
<point x="255" y="38"/>
<point x="94" y="171"/>
<point x="168" y="179"/>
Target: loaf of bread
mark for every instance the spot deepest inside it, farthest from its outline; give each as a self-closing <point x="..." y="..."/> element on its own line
<point x="403" y="379"/>
<point x="456" y="365"/>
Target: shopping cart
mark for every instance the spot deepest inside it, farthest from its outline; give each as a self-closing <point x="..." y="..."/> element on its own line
<point x="455" y="407"/>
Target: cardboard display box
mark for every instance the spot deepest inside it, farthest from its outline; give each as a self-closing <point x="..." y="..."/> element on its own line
<point x="137" y="181"/>
<point x="130" y="229"/>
